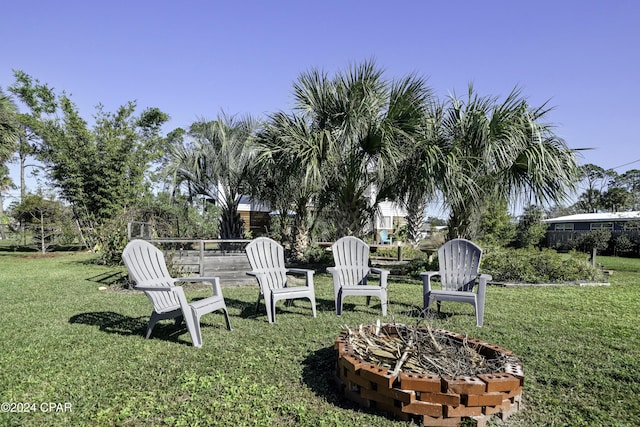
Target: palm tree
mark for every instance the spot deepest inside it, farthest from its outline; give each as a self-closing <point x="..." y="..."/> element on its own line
<point x="350" y="136"/>
<point x="509" y="152"/>
<point x="219" y="165"/>
<point x="282" y="180"/>
<point x="9" y="127"/>
<point x="6" y="183"/>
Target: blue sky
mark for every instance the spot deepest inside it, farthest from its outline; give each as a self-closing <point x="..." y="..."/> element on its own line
<point x="193" y="59"/>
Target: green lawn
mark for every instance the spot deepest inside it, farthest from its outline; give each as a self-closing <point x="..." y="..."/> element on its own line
<point x="66" y="342"/>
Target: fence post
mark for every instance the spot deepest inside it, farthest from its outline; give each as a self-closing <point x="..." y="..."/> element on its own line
<point x="201" y="257"/>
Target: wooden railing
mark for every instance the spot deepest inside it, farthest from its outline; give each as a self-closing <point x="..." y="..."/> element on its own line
<point x="206" y="249"/>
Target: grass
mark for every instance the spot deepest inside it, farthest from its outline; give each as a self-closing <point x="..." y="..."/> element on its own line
<point x="66" y="342"/>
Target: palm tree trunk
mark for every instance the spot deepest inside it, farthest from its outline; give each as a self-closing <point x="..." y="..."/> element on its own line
<point x="415" y="217"/>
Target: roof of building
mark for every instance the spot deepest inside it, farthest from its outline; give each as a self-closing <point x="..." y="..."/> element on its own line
<point x="597" y="217"/>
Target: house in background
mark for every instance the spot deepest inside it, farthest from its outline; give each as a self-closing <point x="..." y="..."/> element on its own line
<point x="565" y="228"/>
<point x="255" y="216"/>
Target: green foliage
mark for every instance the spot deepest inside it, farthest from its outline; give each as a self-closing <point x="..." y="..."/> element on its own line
<point x="408" y="252"/>
<point x="529" y="265"/>
<point x="111" y="238"/>
<point x="530" y="231"/>
<point x="496" y="226"/>
<point x="594" y="239"/>
<point x="48" y="220"/>
<point x="9" y="127"/>
<point x="623" y="245"/>
<point x="98" y="170"/>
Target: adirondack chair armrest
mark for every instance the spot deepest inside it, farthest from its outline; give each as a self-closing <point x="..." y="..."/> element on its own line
<point x="215" y="283"/>
<point x="156" y="288"/>
<point x="426" y="279"/>
<point x="383" y="275"/>
<point x="307" y="273"/>
<point x="483" y="279"/>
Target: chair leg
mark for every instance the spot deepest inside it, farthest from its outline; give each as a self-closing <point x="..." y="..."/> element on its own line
<point x="270" y="305"/>
<point x="339" y="303"/>
<point x="479" y="312"/>
<point x="193" y="326"/>
<point x="152" y="322"/>
<point x="313" y="305"/>
<point x="226" y="318"/>
<point x="383" y="302"/>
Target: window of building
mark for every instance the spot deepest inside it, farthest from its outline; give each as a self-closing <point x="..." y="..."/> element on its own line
<point x="567" y="226"/>
<point x="386" y="222"/>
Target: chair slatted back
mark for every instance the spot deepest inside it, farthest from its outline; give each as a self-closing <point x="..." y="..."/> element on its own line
<point x="351" y="257"/>
<point x="266" y="256"/>
<point x="459" y="261"/>
<point x="147" y="267"/>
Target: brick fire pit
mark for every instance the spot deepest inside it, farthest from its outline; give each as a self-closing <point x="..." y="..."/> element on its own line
<point x="432" y="399"/>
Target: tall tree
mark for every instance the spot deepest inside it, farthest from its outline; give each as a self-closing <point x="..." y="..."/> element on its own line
<point x="6" y="183"/>
<point x="41" y="102"/>
<point x="282" y="180"/>
<point x="219" y="164"/>
<point x="595" y="180"/>
<point x="357" y="124"/>
<point x="509" y="152"/>
<point x="98" y="170"/>
<point x="630" y="182"/>
<point x="9" y="127"/>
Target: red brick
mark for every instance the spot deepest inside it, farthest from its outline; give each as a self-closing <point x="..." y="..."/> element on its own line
<point x="440" y="421"/>
<point x="513" y="393"/>
<point x="464" y="385"/>
<point x="420" y="382"/>
<point x="516" y="370"/>
<point x="462" y="411"/>
<point x="404" y="396"/>
<point x="490" y="410"/>
<point x="500" y="382"/>
<point x="351" y="363"/>
<point x="423" y="408"/>
<point x="354" y="378"/>
<point x="486" y="399"/>
<point x="378" y="375"/>
<point x="376" y="397"/>
<point x="452" y="399"/>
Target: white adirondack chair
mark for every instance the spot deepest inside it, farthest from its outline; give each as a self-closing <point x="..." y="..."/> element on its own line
<point x="147" y="268"/>
<point x="266" y="257"/>
<point x="459" y="262"/>
<point x="351" y="271"/>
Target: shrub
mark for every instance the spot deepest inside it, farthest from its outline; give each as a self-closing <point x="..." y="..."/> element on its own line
<point x="409" y="252"/>
<point x="529" y="265"/>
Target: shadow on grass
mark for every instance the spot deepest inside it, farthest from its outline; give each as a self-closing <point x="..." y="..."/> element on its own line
<point x="248" y="309"/>
<point x="319" y="374"/>
<point x="110" y="278"/>
<point x="116" y="323"/>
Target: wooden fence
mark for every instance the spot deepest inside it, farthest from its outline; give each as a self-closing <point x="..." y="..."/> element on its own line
<point x="224" y="258"/>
